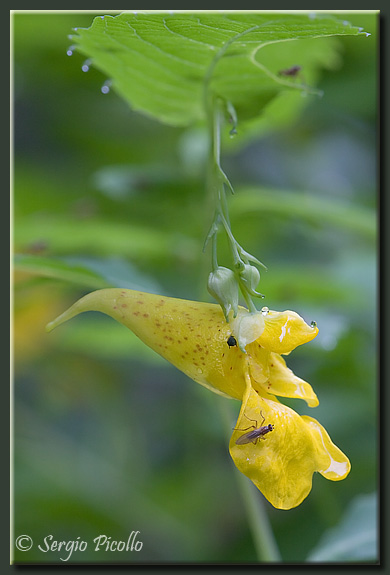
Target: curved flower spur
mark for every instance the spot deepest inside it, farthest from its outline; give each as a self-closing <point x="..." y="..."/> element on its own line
<point x="242" y="360"/>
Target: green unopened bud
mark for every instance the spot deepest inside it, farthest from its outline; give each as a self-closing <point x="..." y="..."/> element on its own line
<point x="249" y="258"/>
<point x="222" y="285"/>
<point x="250" y="277"/>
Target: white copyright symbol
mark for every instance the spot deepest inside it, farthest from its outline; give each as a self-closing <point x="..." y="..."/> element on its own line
<point x="24" y="542"/>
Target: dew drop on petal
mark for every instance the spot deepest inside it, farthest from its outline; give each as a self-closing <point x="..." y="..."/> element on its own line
<point x="313" y="324"/>
<point x="265" y="310"/>
<point x="200" y="370"/>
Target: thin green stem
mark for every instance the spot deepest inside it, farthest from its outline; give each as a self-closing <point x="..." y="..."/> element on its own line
<point x="216" y="128"/>
<point x="263" y="538"/>
<point x="248" y="300"/>
<point x="264" y="542"/>
<point x="225" y="207"/>
<point x="214" y="257"/>
<point x="232" y="241"/>
<point x="217" y="183"/>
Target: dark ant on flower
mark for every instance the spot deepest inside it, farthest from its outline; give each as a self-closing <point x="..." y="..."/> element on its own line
<point x="293" y="71"/>
<point x="256" y="433"/>
<point x="232" y="342"/>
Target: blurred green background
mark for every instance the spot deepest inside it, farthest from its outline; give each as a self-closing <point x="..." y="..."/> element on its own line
<point x="108" y="437"/>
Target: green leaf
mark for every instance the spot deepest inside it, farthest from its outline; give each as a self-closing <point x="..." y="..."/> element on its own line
<point x="93" y="273"/>
<point x="355" y="538"/>
<point x="321" y="210"/>
<point x="58" y="269"/>
<point x="167" y="65"/>
<point x="102" y="238"/>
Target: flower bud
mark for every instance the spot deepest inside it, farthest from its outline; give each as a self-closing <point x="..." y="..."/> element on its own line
<point x="222" y="285"/>
<point x="250" y="277"/>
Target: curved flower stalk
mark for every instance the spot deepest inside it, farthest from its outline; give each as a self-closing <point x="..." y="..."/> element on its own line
<point x="242" y="360"/>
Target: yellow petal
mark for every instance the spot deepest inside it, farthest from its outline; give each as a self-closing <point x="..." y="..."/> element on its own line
<point x="271" y="375"/>
<point x="332" y="463"/>
<point x="284" y="331"/>
<point x="282" y="463"/>
<point x="258" y="361"/>
<point x="191" y="335"/>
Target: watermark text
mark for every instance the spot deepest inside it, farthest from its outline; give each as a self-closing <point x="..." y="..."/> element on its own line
<point x="67" y="548"/>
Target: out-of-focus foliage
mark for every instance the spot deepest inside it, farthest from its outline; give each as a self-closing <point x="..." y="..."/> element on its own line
<point x="109" y="438"/>
<point x="355" y="536"/>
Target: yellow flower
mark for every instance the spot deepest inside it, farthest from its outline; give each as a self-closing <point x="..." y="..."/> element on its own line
<point x="282" y="463"/>
<point x="240" y="359"/>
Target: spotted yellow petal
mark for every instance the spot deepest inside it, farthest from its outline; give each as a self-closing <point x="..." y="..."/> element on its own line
<point x="282" y="462"/>
<point x="284" y="331"/>
<point x="191" y="335"/>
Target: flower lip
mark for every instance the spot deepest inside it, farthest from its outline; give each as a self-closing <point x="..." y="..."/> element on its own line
<point x="282" y="465"/>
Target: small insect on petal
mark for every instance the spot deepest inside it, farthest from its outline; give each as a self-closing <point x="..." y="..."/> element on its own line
<point x="256" y="433"/>
<point x="232" y="342"/>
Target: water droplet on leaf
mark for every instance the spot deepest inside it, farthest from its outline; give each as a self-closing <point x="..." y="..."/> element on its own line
<point x="86" y="65"/>
<point x="70" y="50"/>
<point x="106" y="87"/>
<point x="265" y="310"/>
